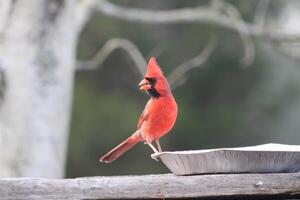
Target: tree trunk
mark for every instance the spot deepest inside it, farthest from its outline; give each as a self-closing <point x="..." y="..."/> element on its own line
<point x="37" y="52"/>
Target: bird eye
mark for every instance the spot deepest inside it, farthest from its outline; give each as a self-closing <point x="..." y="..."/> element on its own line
<point x="151" y="80"/>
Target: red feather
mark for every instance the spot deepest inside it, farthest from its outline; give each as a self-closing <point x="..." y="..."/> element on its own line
<point x="158" y="117"/>
<point x="144" y="116"/>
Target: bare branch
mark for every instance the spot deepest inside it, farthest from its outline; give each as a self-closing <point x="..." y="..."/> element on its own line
<point x="261" y="12"/>
<point x="140" y="62"/>
<point x="108" y="48"/>
<point x="83" y="13"/>
<point x="203" y="14"/>
<point x="179" y="73"/>
<point x="249" y="50"/>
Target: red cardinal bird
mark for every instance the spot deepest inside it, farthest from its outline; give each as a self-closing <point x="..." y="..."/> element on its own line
<point x="158" y="117"/>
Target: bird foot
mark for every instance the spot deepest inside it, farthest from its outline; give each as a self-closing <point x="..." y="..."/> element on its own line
<point x="155" y="156"/>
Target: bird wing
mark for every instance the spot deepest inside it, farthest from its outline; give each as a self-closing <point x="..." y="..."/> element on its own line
<point x="144" y="116"/>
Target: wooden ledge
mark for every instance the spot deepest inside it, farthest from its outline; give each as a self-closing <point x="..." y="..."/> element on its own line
<point x="283" y="185"/>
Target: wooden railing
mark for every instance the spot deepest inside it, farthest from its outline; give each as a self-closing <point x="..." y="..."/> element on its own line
<point x="161" y="186"/>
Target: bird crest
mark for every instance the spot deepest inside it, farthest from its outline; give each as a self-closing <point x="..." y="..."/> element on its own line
<point x="153" y="69"/>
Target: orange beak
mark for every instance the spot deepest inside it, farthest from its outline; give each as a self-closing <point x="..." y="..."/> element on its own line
<point x="144" y="85"/>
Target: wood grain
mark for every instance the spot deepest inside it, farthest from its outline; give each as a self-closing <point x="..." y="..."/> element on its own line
<point x="153" y="186"/>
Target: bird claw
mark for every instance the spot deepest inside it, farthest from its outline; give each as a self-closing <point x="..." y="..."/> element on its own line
<point x="155" y="156"/>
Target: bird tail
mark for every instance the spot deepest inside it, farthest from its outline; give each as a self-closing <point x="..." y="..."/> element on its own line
<point x="121" y="148"/>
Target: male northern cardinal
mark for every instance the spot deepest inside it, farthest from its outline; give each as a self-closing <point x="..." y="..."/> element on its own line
<point x="158" y="117"/>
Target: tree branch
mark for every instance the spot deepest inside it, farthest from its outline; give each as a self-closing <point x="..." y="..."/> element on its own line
<point x="203" y="14"/>
<point x="83" y="12"/>
<point x="261" y="12"/>
<point x="108" y="48"/>
<point x="177" y="76"/>
<point x="248" y="44"/>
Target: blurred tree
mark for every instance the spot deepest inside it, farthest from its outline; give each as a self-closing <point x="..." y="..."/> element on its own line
<point x="38" y="40"/>
<point x="37" y="56"/>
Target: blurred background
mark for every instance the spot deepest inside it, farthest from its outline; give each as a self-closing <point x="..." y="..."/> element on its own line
<point x="69" y="71"/>
<point x="223" y="103"/>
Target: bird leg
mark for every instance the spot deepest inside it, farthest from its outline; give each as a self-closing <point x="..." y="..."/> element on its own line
<point x="158" y="145"/>
<point x="154" y="149"/>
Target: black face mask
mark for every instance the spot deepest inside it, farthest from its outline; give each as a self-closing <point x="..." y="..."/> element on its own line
<point x="152" y="91"/>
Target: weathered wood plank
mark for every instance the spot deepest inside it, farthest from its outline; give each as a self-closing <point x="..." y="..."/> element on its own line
<point x="153" y="186"/>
